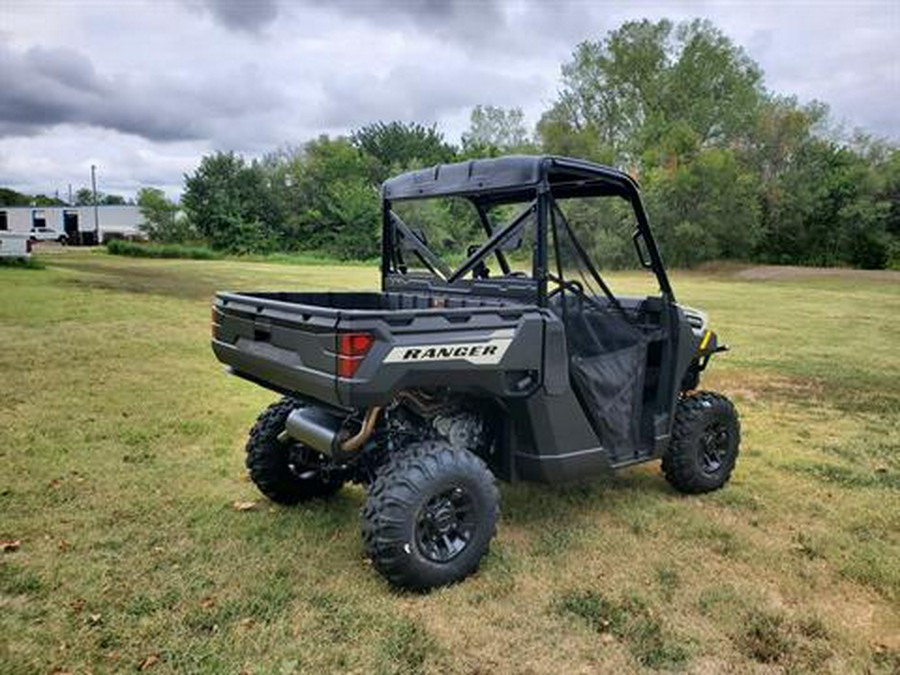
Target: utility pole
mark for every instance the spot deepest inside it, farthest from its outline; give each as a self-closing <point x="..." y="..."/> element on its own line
<point x="70" y="194"/>
<point x="96" y="212"/>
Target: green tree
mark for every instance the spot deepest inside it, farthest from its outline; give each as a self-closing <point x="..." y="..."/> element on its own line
<point x="44" y="200"/>
<point x="706" y="209"/>
<point x="495" y="131"/>
<point x="161" y="217"/>
<point x="85" y="197"/>
<point x="398" y="146"/>
<point x="829" y="210"/>
<point x="227" y="202"/>
<point x="333" y="203"/>
<point x="9" y="197"/>
<point x="652" y="86"/>
<point x="887" y="170"/>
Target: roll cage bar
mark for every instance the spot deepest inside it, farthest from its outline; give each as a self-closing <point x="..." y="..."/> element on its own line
<point x="538" y="181"/>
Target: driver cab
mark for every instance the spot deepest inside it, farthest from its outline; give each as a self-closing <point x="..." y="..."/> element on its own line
<point x="544" y="241"/>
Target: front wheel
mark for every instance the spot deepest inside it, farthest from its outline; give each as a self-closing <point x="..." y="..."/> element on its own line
<point x="705" y="441"/>
<point x="430" y="515"/>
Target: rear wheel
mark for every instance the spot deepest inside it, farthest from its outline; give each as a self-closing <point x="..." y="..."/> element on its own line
<point x="430" y="515"/>
<point x="705" y="442"/>
<point x="283" y="471"/>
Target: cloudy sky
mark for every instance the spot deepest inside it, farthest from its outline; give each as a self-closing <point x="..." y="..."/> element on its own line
<point x="143" y="89"/>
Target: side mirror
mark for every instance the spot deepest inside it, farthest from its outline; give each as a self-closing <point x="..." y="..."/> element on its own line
<point x="641" y="247"/>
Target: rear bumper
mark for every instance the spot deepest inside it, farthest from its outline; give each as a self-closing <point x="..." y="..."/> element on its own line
<point x="278" y="369"/>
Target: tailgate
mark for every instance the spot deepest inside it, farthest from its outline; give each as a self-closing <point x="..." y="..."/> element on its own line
<point x="284" y="346"/>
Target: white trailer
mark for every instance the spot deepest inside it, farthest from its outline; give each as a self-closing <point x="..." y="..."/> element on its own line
<point x="15" y="245"/>
<point x="76" y="223"/>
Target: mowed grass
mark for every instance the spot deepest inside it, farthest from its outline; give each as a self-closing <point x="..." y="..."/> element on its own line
<point x="121" y="447"/>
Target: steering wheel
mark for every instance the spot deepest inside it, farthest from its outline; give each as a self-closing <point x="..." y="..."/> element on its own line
<point x="566" y="283"/>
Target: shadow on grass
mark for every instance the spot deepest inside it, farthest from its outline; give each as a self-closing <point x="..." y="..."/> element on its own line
<point x="21" y="263"/>
<point x="529" y="504"/>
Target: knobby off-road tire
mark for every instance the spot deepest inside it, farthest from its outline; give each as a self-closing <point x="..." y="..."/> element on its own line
<point x="705" y="442"/>
<point x="272" y="465"/>
<point x="430" y="515"/>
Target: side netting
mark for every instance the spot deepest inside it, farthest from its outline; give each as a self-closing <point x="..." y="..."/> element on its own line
<point x="607" y="370"/>
<point x="607" y="350"/>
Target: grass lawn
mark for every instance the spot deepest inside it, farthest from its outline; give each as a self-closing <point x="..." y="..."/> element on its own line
<point x="121" y="444"/>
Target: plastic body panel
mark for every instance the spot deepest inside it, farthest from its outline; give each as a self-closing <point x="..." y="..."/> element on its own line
<point x="289" y="345"/>
<point x="553" y="441"/>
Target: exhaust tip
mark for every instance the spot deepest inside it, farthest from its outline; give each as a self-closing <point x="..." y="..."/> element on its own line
<point x="315" y="428"/>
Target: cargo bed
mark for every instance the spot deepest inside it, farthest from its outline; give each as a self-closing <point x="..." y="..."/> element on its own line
<point x="289" y="342"/>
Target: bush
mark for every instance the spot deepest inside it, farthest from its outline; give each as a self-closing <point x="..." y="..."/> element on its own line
<point x="136" y="250"/>
<point x="306" y="258"/>
<point x="894" y="256"/>
<point x="22" y="263"/>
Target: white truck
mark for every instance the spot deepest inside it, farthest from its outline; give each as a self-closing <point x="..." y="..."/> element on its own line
<point x="15" y="245"/>
<point x="48" y="234"/>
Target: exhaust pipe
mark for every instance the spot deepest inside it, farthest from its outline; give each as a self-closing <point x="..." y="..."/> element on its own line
<point x="320" y="430"/>
<point x="315" y="428"/>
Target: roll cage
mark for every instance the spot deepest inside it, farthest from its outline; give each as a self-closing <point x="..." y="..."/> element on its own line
<point x="537" y="182"/>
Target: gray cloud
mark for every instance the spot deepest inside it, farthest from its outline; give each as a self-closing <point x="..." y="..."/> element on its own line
<point x="250" y="16"/>
<point x="43" y="87"/>
<point x="424" y="92"/>
<point x="457" y="20"/>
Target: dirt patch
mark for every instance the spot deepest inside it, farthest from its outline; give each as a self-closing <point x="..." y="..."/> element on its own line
<point x="785" y="272"/>
<point x="755" y="386"/>
<point x="141" y="278"/>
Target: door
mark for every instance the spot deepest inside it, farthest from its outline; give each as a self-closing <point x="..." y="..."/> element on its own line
<point x="70" y="225"/>
<point x="38" y="219"/>
<point x="620" y="348"/>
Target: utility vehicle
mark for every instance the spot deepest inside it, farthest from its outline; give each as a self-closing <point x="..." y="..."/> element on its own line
<point x="494" y="349"/>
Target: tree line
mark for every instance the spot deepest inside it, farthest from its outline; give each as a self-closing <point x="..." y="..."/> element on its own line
<point x="728" y="168"/>
<point x="82" y="197"/>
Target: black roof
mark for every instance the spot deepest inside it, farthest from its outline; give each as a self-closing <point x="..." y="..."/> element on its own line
<point x="510" y="178"/>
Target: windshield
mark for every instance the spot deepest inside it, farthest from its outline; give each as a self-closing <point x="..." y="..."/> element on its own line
<point x="599" y="232"/>
<point x="590" y="231"/>
<point x="453" y="238"/>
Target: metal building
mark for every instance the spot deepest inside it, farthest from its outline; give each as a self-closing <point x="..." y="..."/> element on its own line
<point x="75" y="222"/>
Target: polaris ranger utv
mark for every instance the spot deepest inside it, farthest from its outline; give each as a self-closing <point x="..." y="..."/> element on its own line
<point x="518" y="362"/>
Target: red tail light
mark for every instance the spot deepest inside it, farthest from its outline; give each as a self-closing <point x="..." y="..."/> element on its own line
<point x="351" y="350"/>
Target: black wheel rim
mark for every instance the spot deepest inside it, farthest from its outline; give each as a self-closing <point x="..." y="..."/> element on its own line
<point x="714" y="447"/>
<point x="445" y="525"/>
